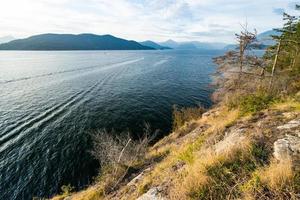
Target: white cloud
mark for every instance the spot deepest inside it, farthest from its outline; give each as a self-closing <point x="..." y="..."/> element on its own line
<point x="203" y="20"/>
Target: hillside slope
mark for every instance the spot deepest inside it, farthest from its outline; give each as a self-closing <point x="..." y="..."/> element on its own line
<point x="220" y="155"/>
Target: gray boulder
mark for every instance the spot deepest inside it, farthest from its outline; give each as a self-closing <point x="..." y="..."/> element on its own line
<point x="288" y="149"/>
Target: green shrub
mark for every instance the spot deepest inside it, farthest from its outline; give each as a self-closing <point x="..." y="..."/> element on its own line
<point x="252" y="103"/>
<point x="188" y="154"/>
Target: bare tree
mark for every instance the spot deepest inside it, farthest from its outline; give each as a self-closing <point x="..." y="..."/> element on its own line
<point x="245" y="38"/>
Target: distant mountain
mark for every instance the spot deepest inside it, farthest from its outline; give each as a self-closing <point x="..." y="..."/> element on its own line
<point x="208" y="45"/>
<point x="230" y="47"/>
<point x="6" y="39"/>
<point x="169" y="43"/>
<point x="154" y="45"/>
<point x="73" y="42"/>
<point x="193" y="45"/>
<point x="264" y="40"/>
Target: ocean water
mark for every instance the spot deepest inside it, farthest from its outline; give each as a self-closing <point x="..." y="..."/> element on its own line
<point x="51" y="101"/>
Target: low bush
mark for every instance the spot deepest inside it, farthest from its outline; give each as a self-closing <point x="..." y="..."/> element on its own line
<point x="252" y="103"/>
<point x="118" y="155"/>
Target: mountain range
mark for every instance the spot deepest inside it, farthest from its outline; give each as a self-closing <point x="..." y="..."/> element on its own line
<point x="73" y="42"/>
<point x="266" y="37"/>
<point x="193" y="45"/>
<point x="264" y="40"/>
<point x="108" y="42"/>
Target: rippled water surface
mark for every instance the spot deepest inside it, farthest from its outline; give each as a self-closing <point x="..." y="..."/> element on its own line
<point x="51" y="101"/>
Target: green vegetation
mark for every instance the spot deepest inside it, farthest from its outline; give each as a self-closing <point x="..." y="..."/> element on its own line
<point x="187" y="155"/>
<point x="251" y="83"/>
<point x="252" y="103"/>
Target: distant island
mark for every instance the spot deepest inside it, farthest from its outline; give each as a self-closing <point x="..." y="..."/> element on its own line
<point x="73" y="42"/>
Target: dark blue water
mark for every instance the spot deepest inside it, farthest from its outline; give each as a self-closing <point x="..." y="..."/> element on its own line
<point x="51" y="101"/>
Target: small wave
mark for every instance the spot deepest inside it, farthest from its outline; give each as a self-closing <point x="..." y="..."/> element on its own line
<point x="53" y="112"/>
<point x="43" y="117"/>
<point x="72" y="70"/>
<point x="160" y="62"/>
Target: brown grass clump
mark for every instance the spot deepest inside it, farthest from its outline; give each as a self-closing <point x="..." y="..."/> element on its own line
<point x="288" y="104"/>
<point x="275" y="181"/>
<point x="278" y="175"/>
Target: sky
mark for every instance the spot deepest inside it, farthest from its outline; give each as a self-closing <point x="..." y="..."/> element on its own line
<point x="158" y="20"/>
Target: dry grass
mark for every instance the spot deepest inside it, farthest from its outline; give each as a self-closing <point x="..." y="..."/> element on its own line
<point x="202" y="178"/>
<point x="288" y="104"/>
<point x="187" y="149"/>
<point x="277" y="175"/>
<point x="92" y="193"/>
<point x="223" y="119"/>
<point x="274" y="181"/>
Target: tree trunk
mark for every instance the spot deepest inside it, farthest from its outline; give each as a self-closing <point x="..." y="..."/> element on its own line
<point x="294" y="60"/>
<point x="241" y="56"/>
<point x="241" y="62"/>
<point x="275" y="62"/>
<point x="262" y="72"/>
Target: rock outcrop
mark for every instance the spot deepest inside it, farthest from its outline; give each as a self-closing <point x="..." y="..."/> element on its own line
<point x="290" y="125"/>
<point x="288" y="148"/>
<point x="231" y="139"/>
<point x="152" y="194"/>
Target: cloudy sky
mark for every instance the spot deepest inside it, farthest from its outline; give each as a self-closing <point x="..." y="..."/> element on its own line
<point x="159" y="20"/>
